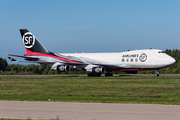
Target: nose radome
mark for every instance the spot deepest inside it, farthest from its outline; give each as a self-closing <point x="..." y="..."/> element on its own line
<point x="173" y="60"/>
<point x="170" y="60"/>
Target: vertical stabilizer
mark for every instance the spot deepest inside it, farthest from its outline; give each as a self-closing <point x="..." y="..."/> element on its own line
<point x="32" y="44"/>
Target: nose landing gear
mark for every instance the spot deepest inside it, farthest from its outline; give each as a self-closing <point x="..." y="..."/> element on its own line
<point x="156" y="73"/>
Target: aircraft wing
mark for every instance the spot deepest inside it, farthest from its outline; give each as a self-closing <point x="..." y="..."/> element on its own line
<point x="33" y="59"/>
<point x="83" y="61"/>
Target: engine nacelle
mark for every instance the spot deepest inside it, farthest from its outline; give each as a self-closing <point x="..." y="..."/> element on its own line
<point x="98" y="70"/>
<point x="63" y="68"/>
<point x="95" y="69"/>
<point x="60" y="67"/>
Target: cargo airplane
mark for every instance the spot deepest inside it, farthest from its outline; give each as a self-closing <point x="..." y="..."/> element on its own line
<point x="94" y="63"/>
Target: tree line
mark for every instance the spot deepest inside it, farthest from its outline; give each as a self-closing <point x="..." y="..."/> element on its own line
<point x="17" y="69"/>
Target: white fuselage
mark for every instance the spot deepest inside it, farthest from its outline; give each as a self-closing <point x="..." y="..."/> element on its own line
<point x="141" y="59"/>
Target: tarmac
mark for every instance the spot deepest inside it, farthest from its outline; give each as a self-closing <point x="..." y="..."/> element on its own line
<point x="87" y="111"/>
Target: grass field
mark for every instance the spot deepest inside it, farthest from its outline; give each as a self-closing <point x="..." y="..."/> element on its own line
<point x="155" y="90"/>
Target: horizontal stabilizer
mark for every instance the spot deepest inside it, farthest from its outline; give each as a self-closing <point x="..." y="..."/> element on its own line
<point x="14" y="55"/>
<point x="25" y="57"/>
<point x="12" y="59"/>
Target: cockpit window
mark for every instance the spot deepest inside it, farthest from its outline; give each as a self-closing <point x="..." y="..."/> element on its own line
<point x="161" y="52"/>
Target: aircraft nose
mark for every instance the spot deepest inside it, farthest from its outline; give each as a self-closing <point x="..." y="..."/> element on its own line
<point x="169" y="61"/>
<point x="172" y="61"/>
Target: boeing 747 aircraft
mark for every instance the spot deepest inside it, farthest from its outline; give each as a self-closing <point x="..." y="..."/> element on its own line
<point x="94" y="63"/>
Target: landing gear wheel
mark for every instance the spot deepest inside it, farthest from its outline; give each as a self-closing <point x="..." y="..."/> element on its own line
<point x="89" y="74"/>
<point x="98" y="75"/>
<point x="94" y="74"/>
<point x="156" y="74"/>
<point x="109" y="74"/>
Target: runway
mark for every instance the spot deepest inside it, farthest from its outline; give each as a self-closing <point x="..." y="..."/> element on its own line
<point x="87" y="111"/>
<point x="80" y="76"/>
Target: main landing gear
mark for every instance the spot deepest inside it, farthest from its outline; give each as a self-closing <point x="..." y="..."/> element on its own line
<point x="99" y="74"/>
<point x="156" y="73"/>
<point x="94" y="75"/>
<point x="109" y="74"/>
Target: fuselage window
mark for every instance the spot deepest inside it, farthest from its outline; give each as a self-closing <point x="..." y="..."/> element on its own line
<point x="122" y="60"/>
<point x="127" y="60"/>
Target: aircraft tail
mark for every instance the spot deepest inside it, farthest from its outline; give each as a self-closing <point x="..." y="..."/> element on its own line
<point x="32" y="44"/>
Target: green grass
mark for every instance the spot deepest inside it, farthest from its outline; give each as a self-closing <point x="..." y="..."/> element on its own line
<point x="102" y="90"/>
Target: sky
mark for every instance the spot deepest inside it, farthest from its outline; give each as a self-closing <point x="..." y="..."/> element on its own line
<point x="68" y="26"/>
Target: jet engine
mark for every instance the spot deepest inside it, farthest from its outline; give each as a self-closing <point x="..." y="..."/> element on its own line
<point x="63" y="68"/>
<point x="60" y="67"/>
<point x="98" y="70"/>
<point x="95" y="69"/>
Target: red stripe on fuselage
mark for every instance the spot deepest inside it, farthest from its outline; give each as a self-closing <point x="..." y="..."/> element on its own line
<point x="53" y="56"/>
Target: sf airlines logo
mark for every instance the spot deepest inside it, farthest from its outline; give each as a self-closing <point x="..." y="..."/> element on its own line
<point x="143" y="57"/>
<point x="29" y="40"/>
